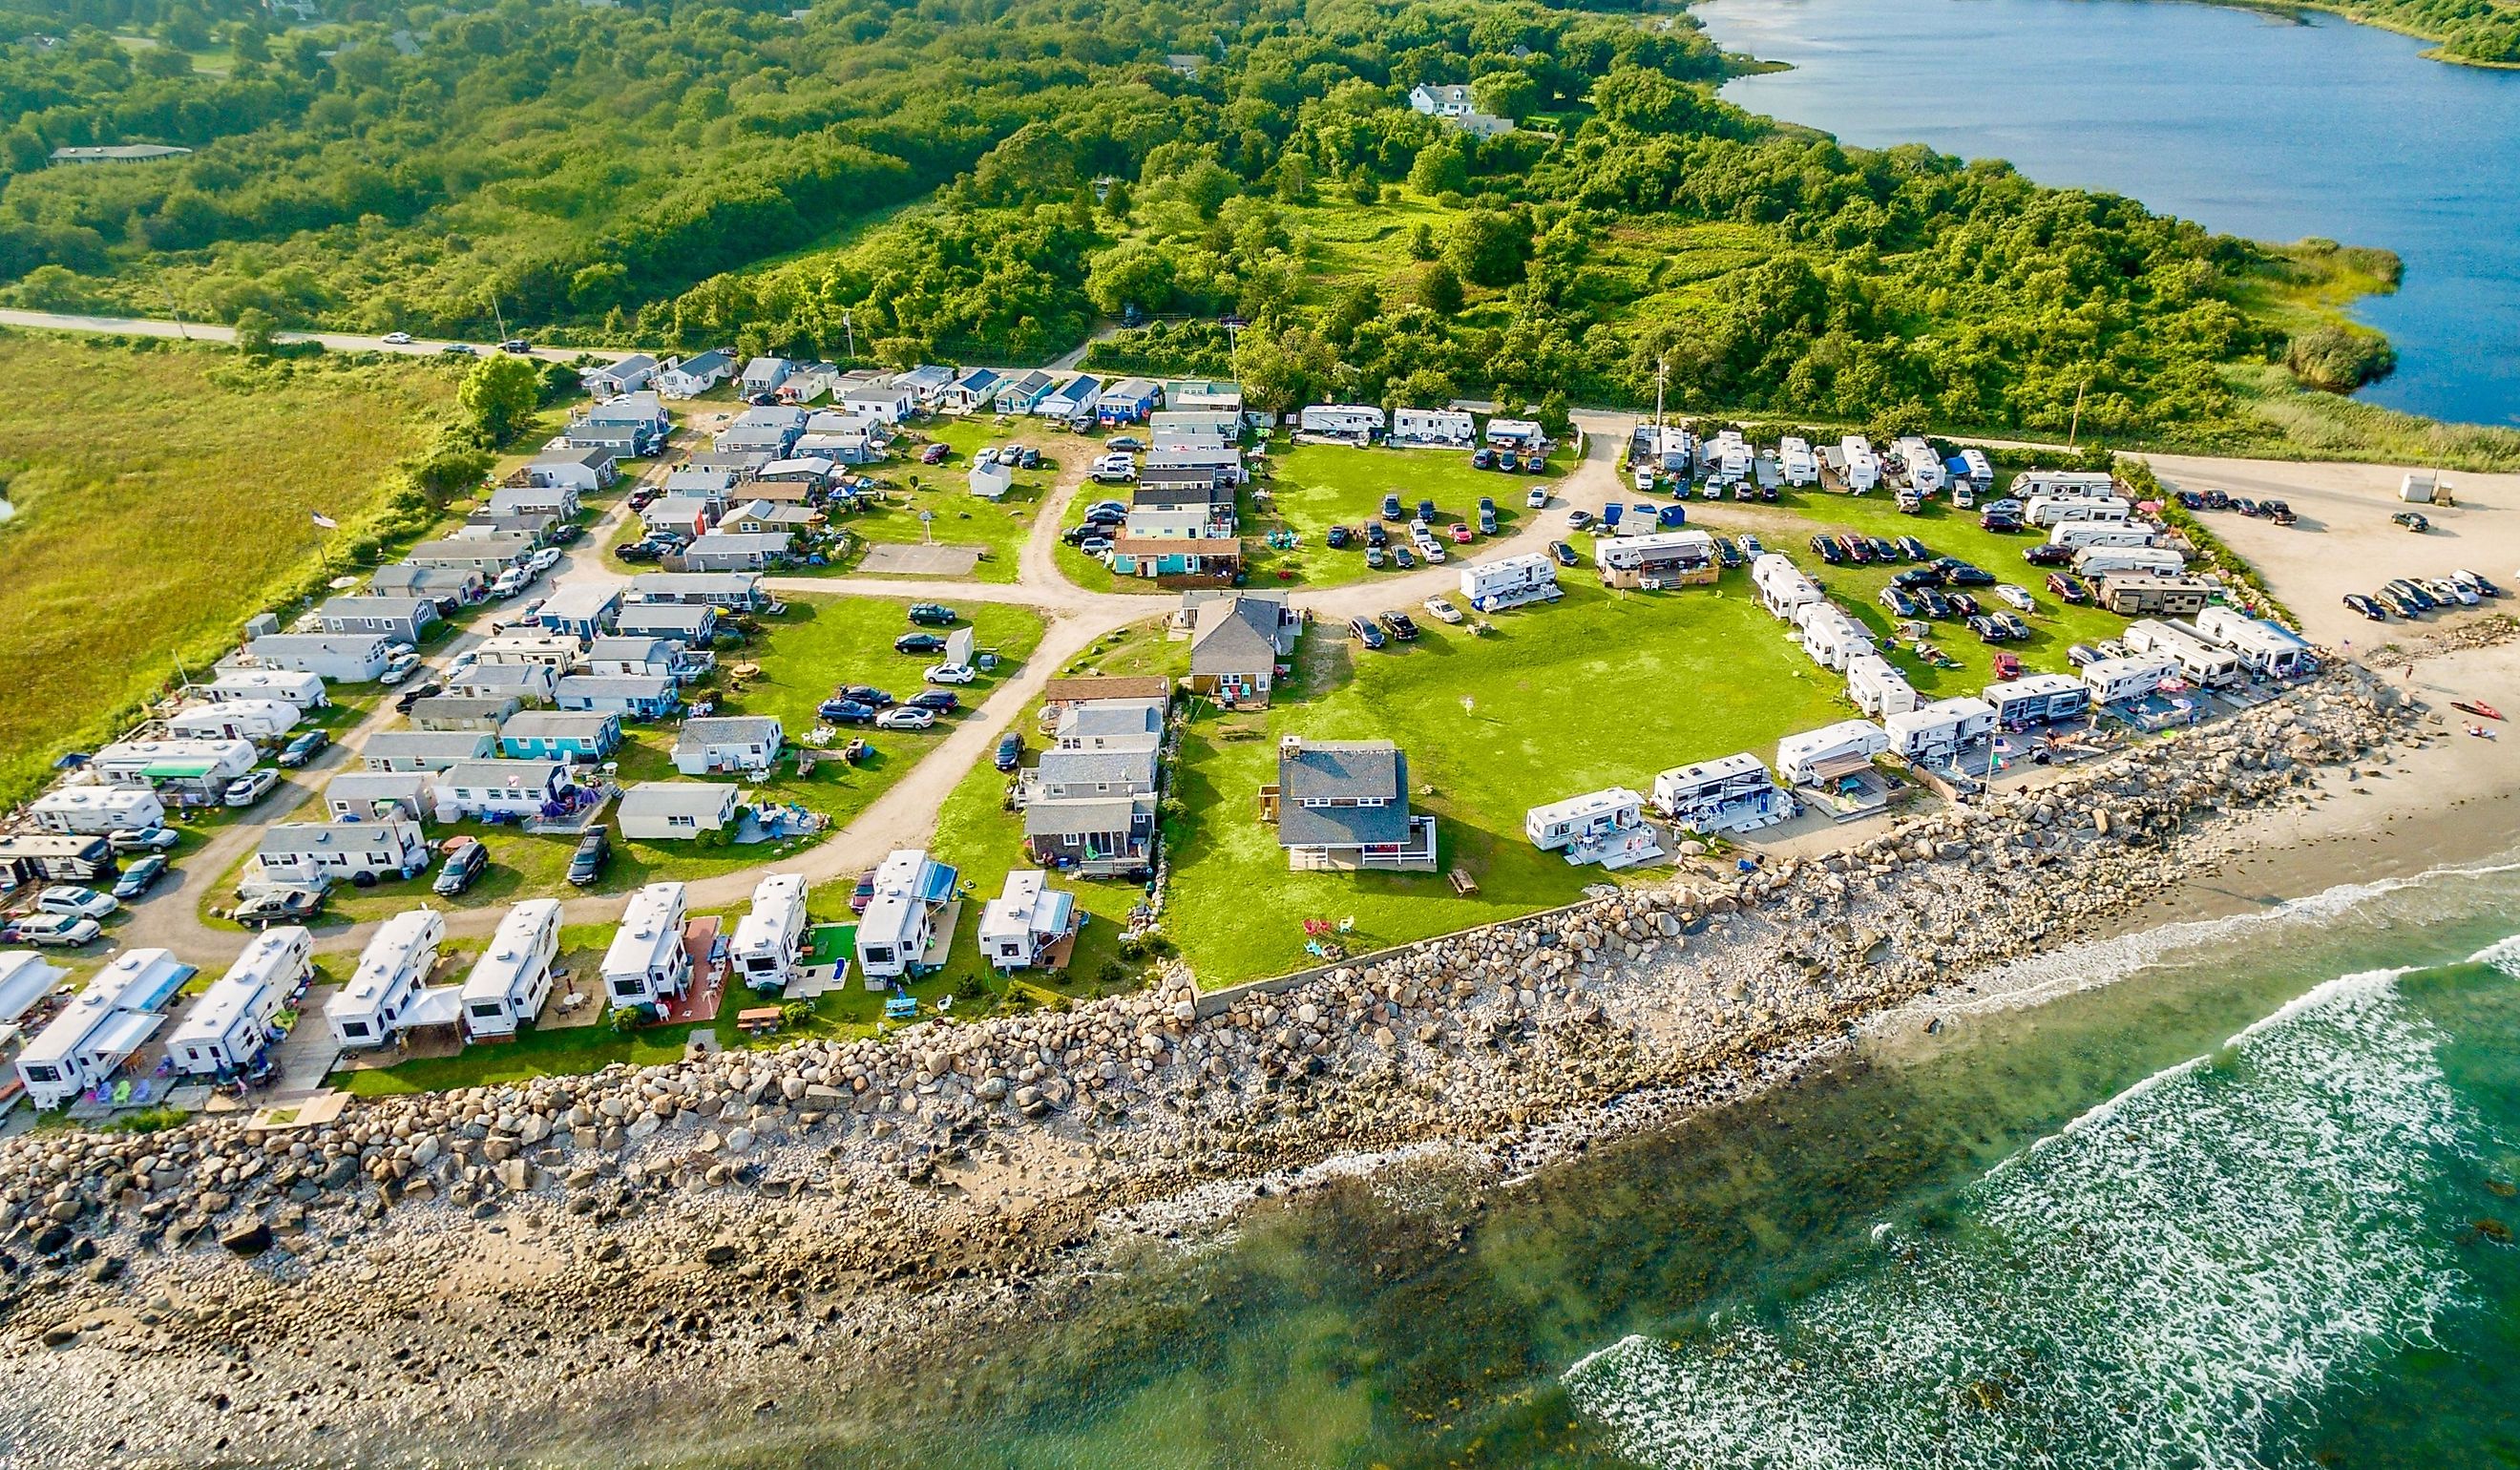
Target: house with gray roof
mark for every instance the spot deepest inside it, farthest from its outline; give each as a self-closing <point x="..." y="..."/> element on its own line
<point x="710" y="745"/>
<point x="1237" y="641"/>
<point x="1095" y="837"/>
<point x="1343" y="806"/>
<point x="633" y="696"/>
<point x="428" y="750"/>
<point x="1069" y="775"/>
<point x="461" y="711"/>
<point x="462" y="584"/>
<point x="404" y="619"/>
<point x="655" y="811"/>
<point x="1111" y="725"/>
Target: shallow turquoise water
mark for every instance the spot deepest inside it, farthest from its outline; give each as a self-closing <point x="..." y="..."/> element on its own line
<point x="2247" y="123"/>
<point x="2223" y="1212"/>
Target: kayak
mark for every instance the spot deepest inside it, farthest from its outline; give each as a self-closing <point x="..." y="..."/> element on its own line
<point x="2476" y="708"/>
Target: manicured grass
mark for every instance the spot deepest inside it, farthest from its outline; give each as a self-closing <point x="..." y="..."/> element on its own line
<point x="162" y="496"/>
<point x="1602" y="689"/>
<point x="962" y="518"/>
<point x="1313" y="487"/>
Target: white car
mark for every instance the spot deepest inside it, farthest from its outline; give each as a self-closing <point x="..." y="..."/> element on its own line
<point x="985" y="458"/>
<point x="398" y="338"/>
<point x="1442" y="610"/>
<point x="906" y="717"/>
<point x="2015" y="596"/>
<point x="250" y="788"/>
<point x="398" y="649"/>
<point x="53" y="929"/>
<point x="76" y="902"/>
<point x="949" y="673"/>
<point x="543" y="559"/>
<point x="134" y="839"/>
<point x="1645" y="480"/>
<point x="1538" y="499"/>
<point x="400" y="668"/>
<point x="512" y="581"/>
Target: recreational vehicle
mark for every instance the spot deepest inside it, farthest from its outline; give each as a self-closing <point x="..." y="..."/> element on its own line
<point x="101" y="1026"/>
<point x="1814" y="756"/>
<point x="2136" y="593"/>
<point x="911" y="890"/>
<point x="2064" y="484"/>
<point x="2047" y="511"/>
<point x="94" y="810"/>
<point x="1606" y="826"/>
<point x="1862" y="467"/>
<point x="1733" y="793"/>
<point x="2264" y="648"/>
<point x="1509" y="582"/>
<point x="229" y="1028"/>
<point x="2200" y="660"/>
<point x="1341" y="420"/>
<point x="1924" y="467"/>
<point x="378" y="1002"/>
<point x="2114" y="681"/>
<point x="2037" y="699"/>
<point x="767" y="939"/>
<point x="2078" y="534"/>
<point x="1782" y="586"/>
<point x="513" y="978"/>
<point x="2104" y="560"/>
<point x="1660" y="558"/>
<point x="645" y="964"/>
<point x="1877" y="687"/>
<point x="1940" y="732"/>
<point x="1795" y="460"/>
<point x="1831" y="638"/>
<point x="1025" y="923"/>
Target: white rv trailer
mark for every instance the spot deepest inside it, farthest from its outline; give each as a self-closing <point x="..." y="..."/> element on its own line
<point x="376" y="1004"/>
<point x="1862" y="467"/>
<point x="2113" y="681"/>
<point x="645" y="964"/>
<point x="95" y="810"/>
<point x="2103" y="561"/>
<point x="1877" y="687"/>
<point x="2037" y="699"/>
<point x="900" y="921"/>
<point x="1941" y="731"/>
<point x="1796" y="462"/>
<point x="513" y="978"/>
<point x="1021" y="925"/>
<point x="1782" y="586"/>
<point x="1509" y="582"/>
<point x="2050" y="511"/>
<point x="2064" y="484"/>
<point x="1343" y="419"/>
<point x="101" y="1026"/>
<point x="2264" y="647"/>
<point x="258" y="719"/>
<point x="1831" y="638"/>
<point x="1733" y="793"/>
<point x="2078" y="534"/>
<point x="2200" y="660"/>
<point x="1814" y="755"/>
<point x="1924" y="467"/>
<point x="767" y="939"/>
<point x="229" y="1028"/>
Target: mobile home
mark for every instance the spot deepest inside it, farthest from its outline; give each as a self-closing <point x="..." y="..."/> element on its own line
<point x="1782" y="586"/>
<point x="1831" y="638"/>
<point x="258" y="719"/>
<point x="645" y="963"/>
<point x="1733" y="793"/>
<point x="1924" y="467"/>
<point x="1862" y="467"/>
<point x="2135" y="593"/>
<point x="1663" y="559"/>
<point x="101" y="1027"/>
<point x="2065" y="484"/>
<point x="911" y="890"/>
<point x="2113" y="681"/>
<point x="1341" y="420"/>
<point x="1024" y="925"/>
<point x="1795" y="460"/>
<point x="376" y="1004"/>
<point x="229" y="1028"/>
<point x="1877" y="687"/>
<point x="305" y="691"/>
<point x="513" y="978"/>
<point x="1943" y="730"/>
<point x="1605" y="827"/>
<point x="2078" y="534"/>
<point x="2037" y="699"/>
<point x="768" y="940"/>
<point x="1444" y="429"/>
<point x="2264" y="648"/>
<point x="94" y="810"/>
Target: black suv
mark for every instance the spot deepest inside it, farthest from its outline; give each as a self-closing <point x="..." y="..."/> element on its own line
<point x="464" y="867"/>
<point x="594" y="850"/>
<point x="1401" y="626"/>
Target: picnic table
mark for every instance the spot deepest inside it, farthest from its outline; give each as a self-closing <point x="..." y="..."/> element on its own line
<point x="1463" y="884"/>
<point x="759" y="1020"/>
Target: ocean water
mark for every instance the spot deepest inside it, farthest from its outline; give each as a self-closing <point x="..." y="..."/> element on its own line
<point x="2247" y="1204"/>
<point x="2269" y="126"/>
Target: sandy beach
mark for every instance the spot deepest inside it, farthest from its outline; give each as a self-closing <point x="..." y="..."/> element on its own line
<point x="507" y="1274"/>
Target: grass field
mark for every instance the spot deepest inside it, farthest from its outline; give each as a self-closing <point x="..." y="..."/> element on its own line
<point x="943" y="491"/>
<point x="1602" y="689"/>
<point x="162" y="498"/>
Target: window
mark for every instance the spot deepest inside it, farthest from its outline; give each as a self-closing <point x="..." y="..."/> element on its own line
<point x="628" y="988"/>
<point x="354" y="1028"/>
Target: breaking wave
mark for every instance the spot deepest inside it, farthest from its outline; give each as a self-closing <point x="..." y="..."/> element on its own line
<point x="2158" y="1284"/>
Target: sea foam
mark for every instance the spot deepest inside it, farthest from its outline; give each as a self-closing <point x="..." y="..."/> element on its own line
<point x="2158" y="1283"/>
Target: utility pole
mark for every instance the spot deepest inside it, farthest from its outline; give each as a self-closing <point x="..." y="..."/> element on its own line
<point x="850" y="325"/>
<point x="1662" y="375"/>
<point x="499" y="316"/>
<point x="2076" y="431"/>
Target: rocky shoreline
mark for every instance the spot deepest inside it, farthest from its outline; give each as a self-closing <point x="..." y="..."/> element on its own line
<point x="448" y="1278"/>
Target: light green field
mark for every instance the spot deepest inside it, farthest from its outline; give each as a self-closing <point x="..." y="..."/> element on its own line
<point x="162" y="498"/>
<point x="962" y="518"/>
<point x="1602" y="689"/>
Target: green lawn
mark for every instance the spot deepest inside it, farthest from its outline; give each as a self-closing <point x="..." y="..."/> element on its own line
<point x="962" y="518"/>
<point x="182" y="503"/>
<point x="1602" y="689"/>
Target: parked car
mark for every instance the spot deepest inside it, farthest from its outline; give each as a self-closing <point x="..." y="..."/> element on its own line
<point x="2367" y="608"/>
<point x="459" y="349"/>
<point x="1376" y="535"/>
<point x="417" y="692"/>
<point x="142" y="839"/>
<point x="1962" y="603"/>
<point x="1401" y="558"/>
<point x="1998" y="521"/>
<point x="1751" y="546"/>
<point x="2081" y="656"/>
<point x="1026" y="457"/>
<point x="867" y="693"/>
<point x="639" y="552"/>
<point x="2450" y="591"/>
<point x="282" y="905"/>
<point x="518" y="345"/>
<point x="1959" y="573"/>
<point x="2476" y="580"/>
<point x="1537" y="498"/>
<point x="1564" y="554"/>
<point x="846" y="711"/>
<point x="1462" y="529"/>
<point x="2278" y="512"/>
<point x="140" y="876"/>
<point x="1900" y="603"/>
<point x="2015" y="596"/>
<point x="1124" y="441"/>
<point x="1986" y="630"/>
<point x="864" y="893"/>
<point x="1482" y="459"/>
<point x="594" y="850"/>
<point x="1913" y="550"/>
<point x="463" y="869"/>
<point x="2395" y="603"/>
<point x="54" y="930"/>
<point x="1935" y="604"/>
<point x="1399" y="624"/>
<point x="1726" y="553"/>
<point x="305" y="749"/>
<point x="2413" y="520"/>
<point x="1336" y="538"/>
<point x="935" y="454"/>
<point x="1913" y="577"/>
<point x="949" y="673"/>
<point x="1426" y="512"/>
<point x="1364" y="632"/>
<point x="2068" y="587"/>
<point x="1010" y="749"/>
<point x="942" y="702"/>
<point x="2413" y="593"/>
<point x="568" y="535"/>
<point x="2014" y="629"/>
<point x="2046" y="555"/>
<point x="906" y="717"/>
<point x="75" y="901"/>
<point x="1826" y="548"/>
<point x="1391" y="507"/>
<point x="1855" y="548"/>
<point x="398" y="669"/>
<point x="2008" y="666"/>
<point x="931" y="614"/>
<point x="919" y="643"/>
<point x="1442" y="610"/>
<point x="1374" y="558"/>
<point x="250" y="788"/>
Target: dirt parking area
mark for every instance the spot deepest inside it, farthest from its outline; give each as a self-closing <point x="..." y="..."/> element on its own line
<point x="2344" y="542"/>
<point x="895" y="558"/>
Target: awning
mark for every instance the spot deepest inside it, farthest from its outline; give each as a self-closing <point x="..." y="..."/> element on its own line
<point x="1837" y="766"/>
<point x="441" y="1006"/>
<point x="177" y="770"/>
<point x="123" y="1034"/>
